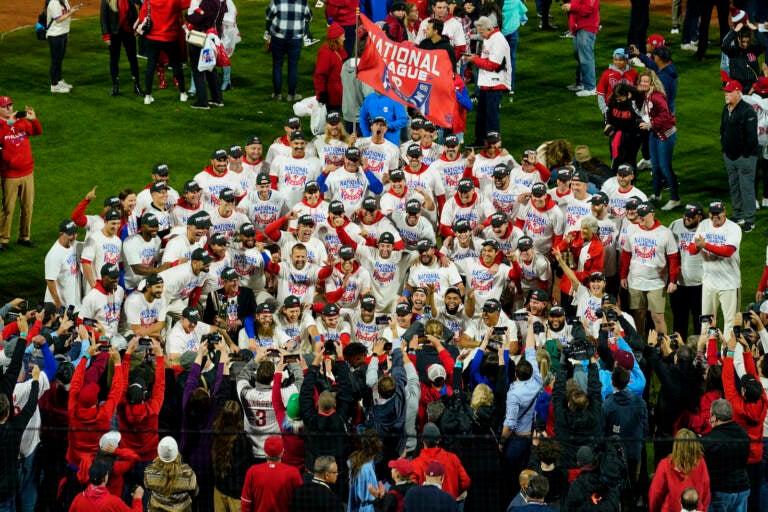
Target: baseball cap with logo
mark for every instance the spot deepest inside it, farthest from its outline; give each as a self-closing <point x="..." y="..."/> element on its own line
<point x="229" y="274"/>
<point x="413" y="206"/>
<point x="160" y="169"/>
<point x="656" y="40"/>
<point x="353" y="153"/>
<point x="311" y="186"/>
<point x="158" y="186"/>
<point x="491" y="243"/>
<point x="429" y="126"/>
<point x="539" y="294"/>
<point x="731" y="86"/>
<point x="149" y="219"/>
<point x="564" y="174"/>
<point x="500" y="171"/>
<point x="5" y="101"/>
<point x="632" y="203"/>
<point x="451" y="141"/>
<point x="253" y="140"/>
<point x="386" y="238"/>
<point x="645" y="208"/>
<point x="264" y="307"/>
<point x="539" y="189"/>
<point x="297" y="135"/>
<point x="200" y="220"/>
<point x="191" y="186"/>
<point x="580" y="176"/>
<point x="693" y="209"/>
<point x="556" y="311"/>
<point x="396" y="175"/>
<point x="492" y="137"/>
<point x="306" y="220"/>
<point x="218" y="239"/>
<point x="336" y="207"/>
<point x="624" y="358"/>
<point x="466" y="185"/>
<point x="201" y="254"/>
<point x="235" y="151"/>
<point x="191" y="314"/>
<point x="717" y="207"/>
<point x="599" y="198"/>
<point x="153" y="279"/>
<point x="293" y="123"/>
<point x="247" y="229"/>
<point x="492" y="306"/>
<point x="291" y="301"/>
<point x="346" y="252"/>
<point x="369" y="204"/>
<point x="498" y="219"/>
<point x="368" y="302"/>
<point x="112" y="214"/>
<point x="403" y="309"/>
<point x="227" y="194"/>
<point x="110" y="270"/>
<point x="401" y="465"/>
<point x="263" y="179"/>
<point x="413" y="151"/>
<point x="608" y="298"/>
<point x="112" y="202"/>
<point x="330" y="309"/>
<point x="380" y="119"/>
<point x="597" y="276"/>
<point x="461" y="225"/>
<point x="417" y="123"/>
<point x="333" y="118"/>
<point x="625" y="170"/>
<point x="524" y="243"/>
<point x="219" y="154"/>
<point x="424" y="245"/>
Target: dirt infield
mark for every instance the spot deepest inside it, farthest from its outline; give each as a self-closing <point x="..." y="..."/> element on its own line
<point x="15" y="14"/>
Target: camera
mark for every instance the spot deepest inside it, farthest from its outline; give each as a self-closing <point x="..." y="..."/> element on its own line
<point x="706" y="319"/>
<point x="89" y="322"/>
<point x="23" y="306"/>
<point x="104" y="347"/>
<point x="387" y="346"/>
<point x="494" y="344"/>
<point x="382" y="320"/>
<point x="579" y="349"/>
<point x="538" y="328"/>
<point x="329" y="348"/>
<point x="212" y="339"/>
<point x="520" y="317"/>
<point x="71" y="312"/>
<point x="737" y="330"/>
<point x="499" y="331"/>
<point x="611" y="315"/>
<point x="674" y="341"/>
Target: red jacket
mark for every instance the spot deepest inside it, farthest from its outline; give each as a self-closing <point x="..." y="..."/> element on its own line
<point x="269" y="486"/>
<point x="455" y="481"/>
<point x="16" y="156"/>
<point x="98" y="498"/>
<point x="328" y="73"/>
<point x="139" y="422"/>
<point x="166" y="16"/>
<point x="341" y="11"/>
<point x="294" y="444"/>
<point x="663" y="122"/>
<point x="668" y="486"/>
<point x="748" y="415"/>
<point x="584" y="15"/>
<point x="125" y="461"/>
<point x="395" y="29"/>
<point x="594" y="262"/>
<point x="87" y="425"/>
<point x="430" y="394"/>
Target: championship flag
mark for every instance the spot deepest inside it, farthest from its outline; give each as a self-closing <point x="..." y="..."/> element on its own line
<point x="422" y="79"/>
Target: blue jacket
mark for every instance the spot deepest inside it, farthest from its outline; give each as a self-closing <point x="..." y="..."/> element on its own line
<point x="668" y="77"/>
<point x="626" y="415"/>
<point x="475" y="377"/>
<point x="360" y="500"/>
<point x="375" y="105"/>
<point x="636" y="379"/>
<point x="428" y="498"/>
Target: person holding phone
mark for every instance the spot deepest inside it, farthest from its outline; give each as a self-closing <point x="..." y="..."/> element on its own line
<point x="59" y="15"/>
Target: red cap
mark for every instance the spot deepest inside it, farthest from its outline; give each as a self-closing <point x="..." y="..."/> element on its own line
<point x="624" y="359"/>
<point x="335" y="30"/>
<point x="732" y="85"/>
<point x="273" y="447"/>
<point x="89" y="395"/>
<point x="656" y="40"/>
<point x="5" y="101"/>
<point x="434" y="468"/>
<point x="761" y="86"/>
<point x="402" y="465"/>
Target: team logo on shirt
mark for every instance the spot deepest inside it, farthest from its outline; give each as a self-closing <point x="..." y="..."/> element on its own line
<point x="72" y="262"/>
<point x="351" y="190"/>
<point x="535" y="224"/>
<point x="384" y="273"/>
<point x="366" y="334"/>
<point x="481" y="281"/>
<point x="644" y="247"/>
<point x="111" y="252"/>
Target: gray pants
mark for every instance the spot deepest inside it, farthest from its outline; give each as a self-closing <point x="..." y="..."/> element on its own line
<point x="741" y="182"/>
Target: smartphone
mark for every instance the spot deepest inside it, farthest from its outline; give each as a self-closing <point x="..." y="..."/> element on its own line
<point x="499" y="331"/>
<point x="494" y="345"/>
<point x="576" y="320"/>
<point x="21" y="114"/>
<point x="388" y="346"/>
<point x="104" y="347"/>
<point x="143" y="342"/>
<point x="90" y="322"/>
<point x="293" y="358"/>
<point x="62" y="309"/>
<point x="40" y="306"/>
<point x="273" y="352"/>
<point x="706" y="319"/>
<point x="520" y="317"/>
<point x="382" y="320"/>
<point x="737" y="330"/>
<point x="745" y="316"/>
<point x="71" y="311"/>
<point x="538" y="327"/>
<point x="23" y="306"/>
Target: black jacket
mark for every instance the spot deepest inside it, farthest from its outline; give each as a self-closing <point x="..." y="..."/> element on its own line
<point x="316" y="497"/>
<point x="587" y="492"/>
<point x="391" y="501"/>
<point x="428" y="498"/>
<point x="743" y="63"/>
<point x="246" y="307"/>
<point x="680" y="389"/>
<point x="110" y="20"/>
<point x="209" y="14"/>
<point x="738" y="131"/>
<point x="442" y="44"/>
<point x="726" y="450"/>
<point x="576" y="429"/>
<point x="626" y="415"/>
<point x="10" y="440"/>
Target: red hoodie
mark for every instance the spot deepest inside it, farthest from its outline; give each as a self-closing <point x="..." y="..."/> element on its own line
<point x="99" y="498"/>
<point x="749" y="415"/>
<point x="88" y="424"/>
<point x="166" y="19"/>
<point x="455" y="481"/>
<point x="139" y="422"/>
<point x="16" y="156"/>
<point x="430" y="394"/>
<point x="294" y="444"/>
<point x="125" y="460"/>
<point x="584" y="15"/>
<point x="669" y="483"/>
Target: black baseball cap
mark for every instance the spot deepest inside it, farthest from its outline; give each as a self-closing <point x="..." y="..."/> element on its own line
<point x="396" y="175"/>
<point x="386" y="238"/>
<point x="112" y="214"/>
<point x="500" y="171"/>
<point x="632" y="203"/>
<point x="311" y="186"/>
<point x="293" y="122"/>
<point x="235" y="151"/>
<point x="369" y="204"/>
<point x="346" y="252"/>
<point x="330" y="309"/>
<point x="229" y="274"/>
<point x="219" y="154"/>
<point x="353" y="153"/>
<point x="599" y="198"/>
<point x="414" y="151"/>
<point x="336" y="207"/>
<point x="461" y="225"/>
<point x="306" y="220"/>
<point x="539" y="294"/>
<point x="253" y="140"/>
<point x="492" y="137"/>
<point x="498" y="219"/>
<point x="380" y="119"/>
<point x="524" y="243"/>
<point x="333" y="118"/>
<point x="110" y="270"/>
<point x="201" y="254"/>
<point x="693" y="209"/>
<point x="263" y="179"/>
<point x="158" y="186"/>
<point x="201" y="220"/>
<point x="149" y="219"/>
<point x="580" y="176"/>
<point x="645" y="208"/>
<point x="247" y="229"/>
<point x="539" y="189"/>
<point x="227" y="194"/>
<point x="451" y="141"/>
<point x="112" y="202"/>
<point x="368" y="302"/>
<point x="160" y="169"/>
<point x="264" y="307"/>
<point x="466" y="185"/>
<point x="625" y="169"/>
<point x="492" y="306"/>
<point x="413" y="206"/>
<point x="564" y="174"/>
<point x="717" y="207"/>
<point x="403" y="309"/>
<point x="291" y="301"/>
<point x="424" y="245"/>
<point x="191" y="186"/>
<point x="218" y="239"/>
<point x="491" y="243"/>
<point x="297" y="135"/>
<point x="417" y="123"/>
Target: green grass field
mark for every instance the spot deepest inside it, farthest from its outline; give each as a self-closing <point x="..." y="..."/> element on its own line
<point x="92" y="139"/>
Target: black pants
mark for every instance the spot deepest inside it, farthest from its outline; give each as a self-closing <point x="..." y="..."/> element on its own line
<point x="706" y="17"/>
<point x="638" y="22"/>
<point x="58" y="45"/>
<point x="128" y="41"/>
<point x="762" y="168"/>
<point x="686" y="303"/>
<point x="172" y="50"/>
<point x="202" y="77"/>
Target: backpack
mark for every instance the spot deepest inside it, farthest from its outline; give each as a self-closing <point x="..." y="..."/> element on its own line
<point x="614" y="471"/>
<point x="42" y="25"/>
<point x="457" y="416"/>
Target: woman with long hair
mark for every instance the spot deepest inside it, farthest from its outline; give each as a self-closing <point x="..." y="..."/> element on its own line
<point x="331" y="145"/>
<point x="59" y="14"/>
<point x="129" y="224"/>
<point x="362" y="472"/>
<point x="117" y="19"/>
<point x="661" y="123"/>
<point x="232" y="456"/>
<point x="331" y="56"/>
<point x="411" y="21"/>
<point x="171" y="482"/>
<point x="684" y="467"/>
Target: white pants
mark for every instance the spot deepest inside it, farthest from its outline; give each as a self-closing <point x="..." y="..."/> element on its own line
<point x="727" y="299"/>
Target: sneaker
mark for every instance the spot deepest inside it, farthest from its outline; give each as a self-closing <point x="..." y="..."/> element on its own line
<point x="675" y="30"/>
<point x="566" y="35"/>
<point x="65" y="84"/>
<point x="183" y="97"/>
<point x="148" y="99"/>
<point x="637" y="62"/>
<point x="757" y="204"/>
<point x="309" y="41"/>
<point x="643" y="164"/>
<point x="277" y="97"/>
<point x="747" y="227"/>
<point x="671" y="205"/>
<point x="511" y="96"/>
<point x="293" y="97"/>
<point x="764" y="203"/>
<point x="586" y="92"/>
<point x="215" y="104"/>
<point x="574" y="87"/>
<point x="266" y="35"/>
<point x="58" y="88"/>
<point x="654" y="197"/>
<point x="740" y="222"/>
<point x="689" y="47"/>
<point x="200" y="107"/>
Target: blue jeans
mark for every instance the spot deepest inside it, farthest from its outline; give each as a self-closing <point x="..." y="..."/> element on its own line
<point x="729" y="501"/>
<point x="512" y="40"/>
<point x="741" y="182"/>
<point x="661" y="163"/>
<point x="487" y="120"/>
<point x="29" y="481"/>
<point x="584" y="51"/>
<point x="691" y="22"/>
<point x="517" y="451"/>
<point x="282" y="48"/>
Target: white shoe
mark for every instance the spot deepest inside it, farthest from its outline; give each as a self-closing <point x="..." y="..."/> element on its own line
<point x="266" y="35"/>
<point x="643" y="164"/>
<point x="319" y="4"/>
<point x="309" y="41"/>
<point x="671" y="205"/>
<point x="566" y="35"/>
<point x="148" y="99"/>
<point x="757" y="204"/>
<point x="689" y="47"/>
<point x="675" y="30"/>
<point x="764" y="204"/>
<point x="65" y="84"/>
<point x="58" y="88"/>
<point x="183" y="97"/>
<point x="574" y="87"/>
<point x="637" y="62"/>
<point x="654" y="197"/>
<point x="586" y="92"/>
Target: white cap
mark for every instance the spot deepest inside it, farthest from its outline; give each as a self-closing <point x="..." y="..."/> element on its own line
<point x="112" y="437"/>
<point x="764" y="307"/>
<point x="167" y="449"/>
<point x="435" y="371"/>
